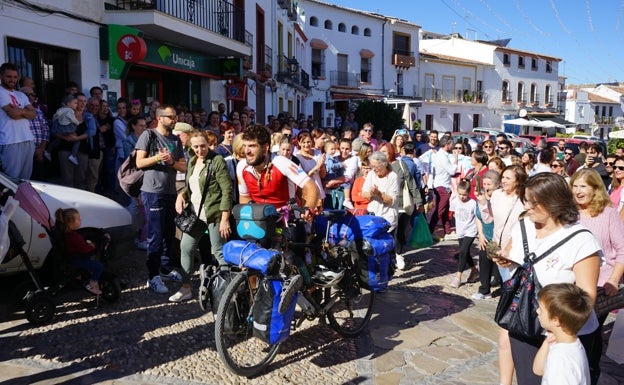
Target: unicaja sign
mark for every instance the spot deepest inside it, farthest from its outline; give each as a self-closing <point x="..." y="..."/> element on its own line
<point x="182" y="61"/>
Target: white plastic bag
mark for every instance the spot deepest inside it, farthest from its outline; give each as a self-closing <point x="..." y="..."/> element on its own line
<point x="7" y="212"/>
<point x="615" y="350"/>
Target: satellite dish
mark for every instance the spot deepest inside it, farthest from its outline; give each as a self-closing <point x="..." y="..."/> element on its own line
<point x="522" y="113"/>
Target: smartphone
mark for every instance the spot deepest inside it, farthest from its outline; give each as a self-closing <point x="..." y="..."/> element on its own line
<point x="401" y="132"/>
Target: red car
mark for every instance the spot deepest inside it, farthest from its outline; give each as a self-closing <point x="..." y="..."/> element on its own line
<point x="535" y="139"/>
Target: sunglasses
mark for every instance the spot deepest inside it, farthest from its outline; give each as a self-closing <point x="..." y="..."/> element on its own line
<point x="555" y="165"/>
<point x="503" y="148"/>
<point x="487" y="146"/>
<point x="620" y="168"/>
<point x="459" y="148"/>
<point x="569" y="153"/>
<point x="609" y="163"/>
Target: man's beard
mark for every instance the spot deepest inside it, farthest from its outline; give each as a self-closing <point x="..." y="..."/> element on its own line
<point x="261" y="158"/>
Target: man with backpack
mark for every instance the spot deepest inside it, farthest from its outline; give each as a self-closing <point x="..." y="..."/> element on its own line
<point x="160" y="155"/>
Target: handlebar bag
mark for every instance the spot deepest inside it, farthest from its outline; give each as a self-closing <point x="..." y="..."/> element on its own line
<point x="255" y="221"/>
<point x="269" y="324"/>
<point x="251" y="255"/>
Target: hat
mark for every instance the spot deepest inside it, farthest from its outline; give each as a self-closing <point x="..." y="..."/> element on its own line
<point x="182" y="127"/>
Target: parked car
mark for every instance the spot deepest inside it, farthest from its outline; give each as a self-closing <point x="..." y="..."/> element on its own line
<point x="573" y="143"/>
<point x="96" y="212"/>
<point x="522" y="144"/>
<point x="493" y="132"/>
<point x="535" y="139"/>
<point x="586" y="137"/>
<point x="475" y="139"/>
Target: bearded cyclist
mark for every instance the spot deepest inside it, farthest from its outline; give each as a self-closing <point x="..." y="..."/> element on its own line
<point x="262" y="180"/>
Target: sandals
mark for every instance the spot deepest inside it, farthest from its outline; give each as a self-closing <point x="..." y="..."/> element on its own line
<point x="94" y="288"/>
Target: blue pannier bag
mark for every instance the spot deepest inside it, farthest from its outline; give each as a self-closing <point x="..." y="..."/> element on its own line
<point x="373" y="261"/>
<point x="251" y="255"/>
<point x="269" y="324"/>
<point x="352" y="227"/>
<point x="255" y="222"/>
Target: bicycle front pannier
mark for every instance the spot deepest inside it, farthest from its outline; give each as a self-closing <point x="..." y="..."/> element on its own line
<point x="372" y="258"/>
<point x="255" y="222"/>
<point x="269" y="324"/>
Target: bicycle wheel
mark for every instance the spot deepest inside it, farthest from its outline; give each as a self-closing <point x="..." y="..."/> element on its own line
<point x="240" y="351"/>
<point x="350" y="315"/>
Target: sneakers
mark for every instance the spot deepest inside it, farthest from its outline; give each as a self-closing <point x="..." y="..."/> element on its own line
<point x="184" y="294"/>
<point x="157" y="285"/>
<point x="347" y="205"/>
<point x="455" y="282"/>
<point x="290" y="287"/>
<point x="93" y="287"/>
<point x="473" y="277"/>
<point x="47" y="155"/>
<point x="479" y="296"/>
<point x="73" y="159"/>
<point x="400" y="262"/>
<point x="172" y="276"/>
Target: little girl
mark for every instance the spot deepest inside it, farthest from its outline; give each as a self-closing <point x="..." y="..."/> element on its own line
<point x="78" y="250"/>
<point x="466" y="227"/>
<point x="337" y="185"/>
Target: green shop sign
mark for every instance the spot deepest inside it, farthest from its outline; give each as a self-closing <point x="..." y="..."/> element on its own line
<point x="160" y="55"/>
<point x="167" y="56"/>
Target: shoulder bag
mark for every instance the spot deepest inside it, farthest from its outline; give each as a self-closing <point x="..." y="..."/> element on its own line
<point x="188" y="221"/>
<point x="408" y="201"/>
<point x="517" y="308"/>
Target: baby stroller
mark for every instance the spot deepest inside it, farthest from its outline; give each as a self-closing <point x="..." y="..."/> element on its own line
<point x="39" y="298"/>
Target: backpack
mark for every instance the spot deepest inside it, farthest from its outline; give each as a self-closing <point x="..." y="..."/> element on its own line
<point x="130" y="177"/>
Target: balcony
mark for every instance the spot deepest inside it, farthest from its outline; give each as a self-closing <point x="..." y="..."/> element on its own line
<point x="403" y="59"/>
<point x="215" y="27"/>
<point x="344" y="79"/>
<point x="288" y="68"/>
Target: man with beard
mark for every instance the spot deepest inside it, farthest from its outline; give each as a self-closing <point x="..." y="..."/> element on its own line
<point x="161" y="156"/>
<point x="17" y="144"/>
<point x="263" y="180"/>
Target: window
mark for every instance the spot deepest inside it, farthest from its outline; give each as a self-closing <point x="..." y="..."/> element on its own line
<point x="328" y="24"/>
<point x="520" y="61"/>
<point x="318" y="63"/>
<point x="355" y="30"/>
<point x="547" y="94"/>
<point x="534" y="94"/>
<point x="506" y="60"/>
<point x="448" y="88"/>
<point x="429" y="91"/>
<point x="506" y="92"/>
<point x="401" y="44"/>
<point x="610" y="110"/>
<point x="548" y="66"/>
<point x="342" y="27"/>
<point x="314" y="21"/>
<point x="365" y="70"/>
<point x="534" y="64"/>
<point x="521" y="98"/>
<point x="367" y="32"/>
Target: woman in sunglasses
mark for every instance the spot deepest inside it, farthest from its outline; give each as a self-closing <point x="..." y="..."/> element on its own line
<point x="558" y="167"/>
<point x="488" y="147"/>
<point x="616" y="190"/>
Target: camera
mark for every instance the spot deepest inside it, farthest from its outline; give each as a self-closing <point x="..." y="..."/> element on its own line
<point x="401" y="131"/>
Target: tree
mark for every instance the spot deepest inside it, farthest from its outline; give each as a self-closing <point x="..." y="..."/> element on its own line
<point x="383" y="117"/>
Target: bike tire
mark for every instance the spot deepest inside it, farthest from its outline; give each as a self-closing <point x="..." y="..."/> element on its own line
<point x="351" y="314"/>
<point x="240" y="351"/>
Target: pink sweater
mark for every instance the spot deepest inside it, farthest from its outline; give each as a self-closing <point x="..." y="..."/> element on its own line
<point x="608" y="228"/>
<point x="504" y="210"/>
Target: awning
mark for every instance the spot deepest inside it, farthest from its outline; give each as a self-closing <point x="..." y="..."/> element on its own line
<point x="318" y="44"/>
<point x="367" y="53"/>
<point x="355" y="96"/>
<point x="555" y="119"/>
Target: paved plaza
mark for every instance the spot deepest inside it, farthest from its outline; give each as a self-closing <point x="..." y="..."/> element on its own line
<point x="422" y="332"/>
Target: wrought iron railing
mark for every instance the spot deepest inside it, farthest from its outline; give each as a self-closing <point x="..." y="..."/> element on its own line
<point x="344" y="79"/>
<point x="218" y="16"/>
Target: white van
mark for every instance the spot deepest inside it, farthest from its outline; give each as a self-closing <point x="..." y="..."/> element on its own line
<point x="408" y="109"/>
<point x="491" y="131"/>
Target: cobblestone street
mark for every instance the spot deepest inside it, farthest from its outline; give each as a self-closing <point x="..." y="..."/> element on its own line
<point x="422" y="332"/>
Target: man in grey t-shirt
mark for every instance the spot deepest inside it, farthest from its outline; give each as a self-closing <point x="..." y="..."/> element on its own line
<point x="160" y="156"/>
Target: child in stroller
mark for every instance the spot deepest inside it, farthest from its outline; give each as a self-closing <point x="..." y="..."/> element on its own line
<point x="78" y="250"/>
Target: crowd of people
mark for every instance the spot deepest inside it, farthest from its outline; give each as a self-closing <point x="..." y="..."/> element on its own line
<point x="214" y="160"/>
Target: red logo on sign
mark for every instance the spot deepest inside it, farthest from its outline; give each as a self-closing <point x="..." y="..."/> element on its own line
<point x="131" y="49"/>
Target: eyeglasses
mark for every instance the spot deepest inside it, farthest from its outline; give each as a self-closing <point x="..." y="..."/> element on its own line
<point x="609" y="163"/>
<point x="377" y="167"/>
<point x="620" y="168"/>
<point x="172" y="117"/>
<point x="555" y="165"/>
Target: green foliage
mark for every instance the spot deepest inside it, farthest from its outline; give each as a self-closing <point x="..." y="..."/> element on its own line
<point x="382" y="116"/>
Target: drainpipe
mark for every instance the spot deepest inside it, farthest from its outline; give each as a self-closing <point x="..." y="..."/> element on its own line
<point x="383" y="57"/>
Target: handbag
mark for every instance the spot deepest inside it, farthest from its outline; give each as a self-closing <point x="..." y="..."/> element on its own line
<point x="188" y="221"/>
<point x="517" y="308"/>
<point x="604" y="303"/>
<point x="408" y="201"/>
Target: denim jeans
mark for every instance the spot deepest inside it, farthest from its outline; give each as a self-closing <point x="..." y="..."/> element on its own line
<point x="159" y="215"/>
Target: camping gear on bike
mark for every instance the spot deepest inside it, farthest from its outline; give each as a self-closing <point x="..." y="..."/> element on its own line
<point x="336" y="289"/>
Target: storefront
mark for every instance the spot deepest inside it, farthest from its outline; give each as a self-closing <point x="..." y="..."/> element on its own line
<point x="153" y="70"/>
